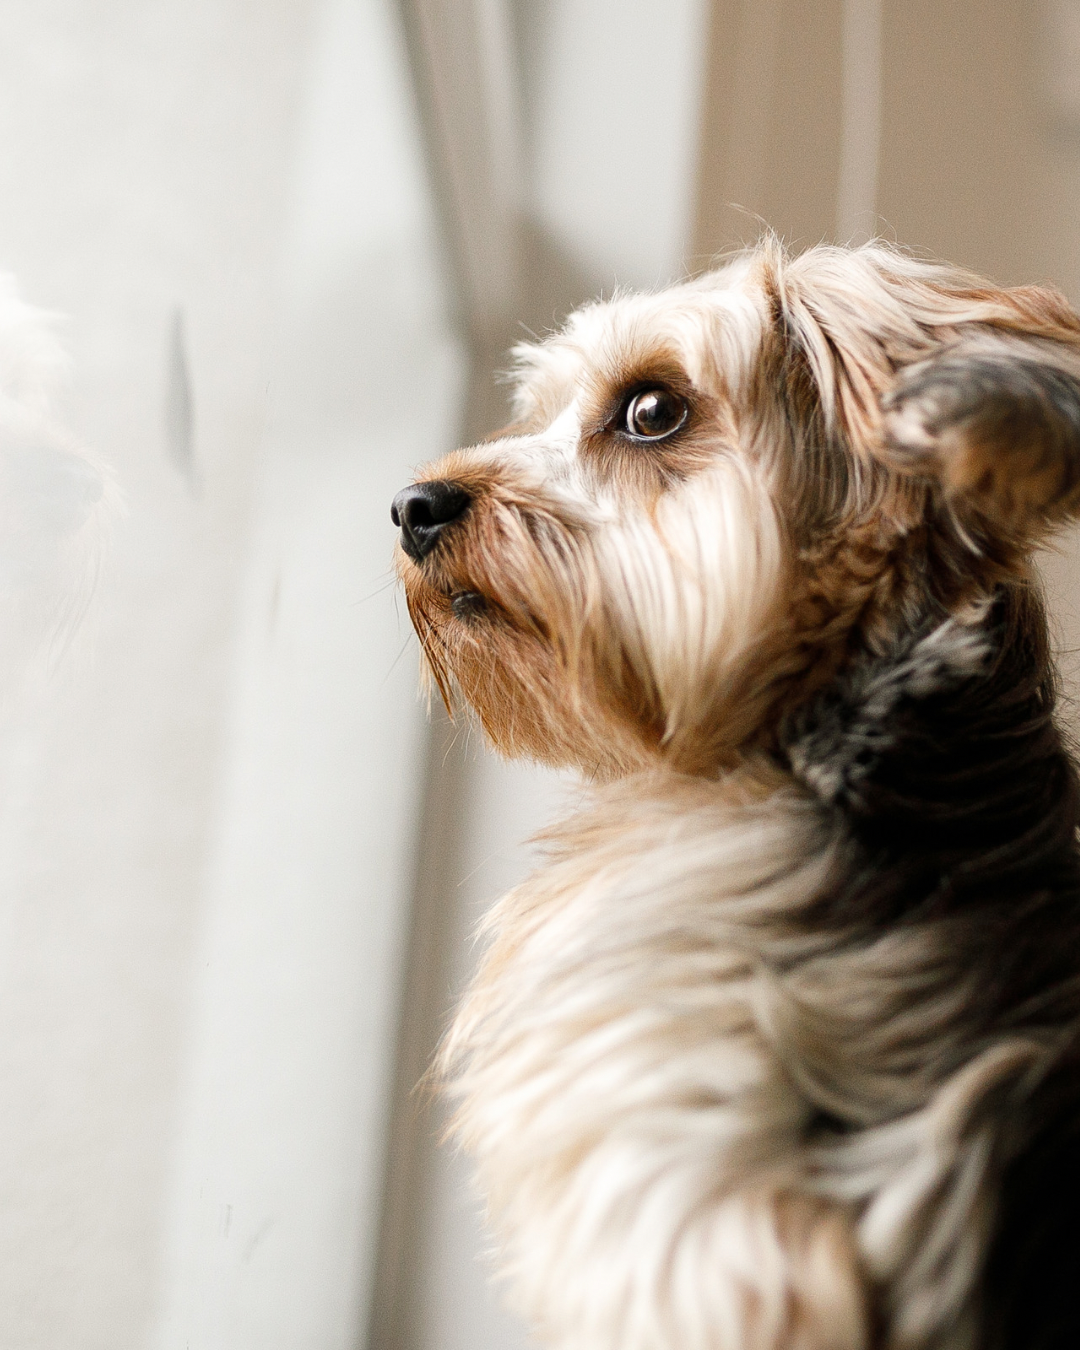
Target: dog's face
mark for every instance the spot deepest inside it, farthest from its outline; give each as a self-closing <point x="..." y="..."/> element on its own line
<point x="715" y="495"/>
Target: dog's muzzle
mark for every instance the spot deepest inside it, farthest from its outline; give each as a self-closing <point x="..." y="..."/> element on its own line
<point x="423" y="511"/>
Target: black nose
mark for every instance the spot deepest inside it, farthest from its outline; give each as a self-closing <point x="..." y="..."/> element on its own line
<point x="423" y="511"/>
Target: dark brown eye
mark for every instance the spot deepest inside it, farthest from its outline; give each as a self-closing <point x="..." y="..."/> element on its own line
<point x="654" y="414"/>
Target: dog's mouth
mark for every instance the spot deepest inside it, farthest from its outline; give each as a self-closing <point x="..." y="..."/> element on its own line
<point x="466" y="562"/>
<point x="468" y="606"/>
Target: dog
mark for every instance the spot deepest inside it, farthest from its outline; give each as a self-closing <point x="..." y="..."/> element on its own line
<point x="779" y="1048"/>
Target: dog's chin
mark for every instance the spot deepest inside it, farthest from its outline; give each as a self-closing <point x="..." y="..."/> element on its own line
<point x="531" y="701"/>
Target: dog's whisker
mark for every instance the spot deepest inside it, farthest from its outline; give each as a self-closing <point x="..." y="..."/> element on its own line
<point x="379" y="590"/>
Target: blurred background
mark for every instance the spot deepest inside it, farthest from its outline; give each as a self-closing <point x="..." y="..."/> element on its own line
<point x="294" y="240"/>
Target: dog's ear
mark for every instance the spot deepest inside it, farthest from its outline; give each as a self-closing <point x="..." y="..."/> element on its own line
<point x="942" y="375"/>
<point x="994" y="419"/>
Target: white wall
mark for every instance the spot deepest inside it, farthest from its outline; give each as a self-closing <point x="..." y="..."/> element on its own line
<point x="612" y="96"/>
<point x="308" y="881"/>
<point x="207" y="828"/>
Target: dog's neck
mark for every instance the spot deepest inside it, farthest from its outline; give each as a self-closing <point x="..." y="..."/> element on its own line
<point x="946" y="762"/>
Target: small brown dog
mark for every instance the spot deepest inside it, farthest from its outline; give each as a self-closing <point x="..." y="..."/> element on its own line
<point x="779" y="1048"/>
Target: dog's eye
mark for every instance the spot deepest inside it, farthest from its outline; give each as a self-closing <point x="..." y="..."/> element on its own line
<point x="654" y="414"/>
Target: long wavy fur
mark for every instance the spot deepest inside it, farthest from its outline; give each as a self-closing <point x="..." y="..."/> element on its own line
<point x="779" y="1048"/>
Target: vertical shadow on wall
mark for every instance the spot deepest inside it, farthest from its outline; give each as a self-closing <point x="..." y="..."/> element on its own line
<point x="771" y="124"/>
<point x="426" y="995"/>
<point x="552" y="286"/>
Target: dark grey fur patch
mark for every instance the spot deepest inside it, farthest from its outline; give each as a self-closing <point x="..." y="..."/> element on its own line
<point x="962" y="806"/>
<point x="839" y="740"/>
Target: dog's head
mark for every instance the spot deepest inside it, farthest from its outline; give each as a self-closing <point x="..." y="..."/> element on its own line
<point x="715" y="496"/>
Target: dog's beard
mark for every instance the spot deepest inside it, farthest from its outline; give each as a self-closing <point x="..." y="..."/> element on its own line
<point x="603" y="644"/>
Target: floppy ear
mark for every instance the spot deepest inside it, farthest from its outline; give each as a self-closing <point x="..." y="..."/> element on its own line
<point x="994" y="418"/>
<point x="946" y="377"/>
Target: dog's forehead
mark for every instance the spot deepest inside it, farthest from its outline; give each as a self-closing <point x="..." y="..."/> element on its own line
<point x="712" y="327"/>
